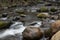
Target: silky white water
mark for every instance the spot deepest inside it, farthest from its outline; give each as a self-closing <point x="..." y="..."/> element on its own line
<point x="17" y="28"/>
<point x="14" y="29"/>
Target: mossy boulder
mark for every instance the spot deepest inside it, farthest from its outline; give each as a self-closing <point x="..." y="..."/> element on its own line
<point x="42" y="15"/>
<point x="22" y="15"/>
<point x="55" y="27"/>
<point x="53" y="9"/>
<point x="43" y="9"/>
<point x="4" y="24"/>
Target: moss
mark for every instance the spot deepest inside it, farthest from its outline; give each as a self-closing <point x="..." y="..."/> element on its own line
<point x="53" y="9"/>
<point x="40" y="15"/>
<point x="32" y="33"/>
<point x="20" y="12"/>
<point x="48" y="33"/>
<point x="4" y="25"/>
<point x="43" y="9"/>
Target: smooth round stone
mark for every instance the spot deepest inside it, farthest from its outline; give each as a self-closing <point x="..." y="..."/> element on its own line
<point x="32" y="33"/>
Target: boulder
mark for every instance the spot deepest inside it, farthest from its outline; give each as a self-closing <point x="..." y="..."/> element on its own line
<point x="55" y="26"/>
<point x="42" y="15"/>
<point x="56" y="36"/>
<point x="22" y="15"/>
<point x="44" y="9"/>
<point x="53" y="9"/>
<point x="48" y="32"/>
<point x="32" y="33"/>
<point x="4" y="24"/>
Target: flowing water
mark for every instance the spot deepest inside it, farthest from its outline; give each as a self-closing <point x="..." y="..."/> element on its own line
<point x="15" y="31"/>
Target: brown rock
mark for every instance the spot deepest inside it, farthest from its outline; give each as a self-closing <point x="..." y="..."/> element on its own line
<point x="55" y="26"/>
<point x="32" y="33"/>
<point x="56" y="36"/>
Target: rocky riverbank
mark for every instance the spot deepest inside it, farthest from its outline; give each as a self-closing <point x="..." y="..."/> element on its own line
<point x="45" y="15"/>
